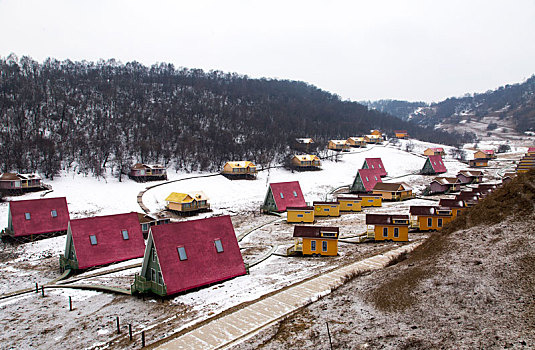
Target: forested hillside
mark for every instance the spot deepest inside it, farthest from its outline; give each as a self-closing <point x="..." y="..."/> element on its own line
<point x="516" y="102"/>
<point x="87" y="116"/>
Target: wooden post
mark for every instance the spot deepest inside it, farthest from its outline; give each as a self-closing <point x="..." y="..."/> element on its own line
<point x="36" y="287"/>
<point x="118" y="328"/>
<point x="130" y="331"/>
<point x="42" y="291"/>
<point x="142" y="339"/>
<point x="70" y="303"/>
<point x="329" y="333"/>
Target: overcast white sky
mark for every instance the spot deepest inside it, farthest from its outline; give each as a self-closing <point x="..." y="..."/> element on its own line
<point x="360" y="50"/>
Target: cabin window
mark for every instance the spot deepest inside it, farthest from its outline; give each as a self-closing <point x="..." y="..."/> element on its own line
<point x="372" y="167"/>
<point x="299" y="215"/>
<point x="153" y="275"/>
<point x="375" y="178"/>
<point x="367" y="179"/>
<point x="313" y="246"/>
<point x="349" y="204"/>
<point x="160" y="278"/>
<point x="218" y="246"/>
<point x="385" y="231"/>
<point x="396" y="232"/>
<point x="328" y="234"/>
<point x="326" y="209"/>
<point x="153" y="254"/>
<point x="379" y="166"/>
<point x="182" y="253"/>
<point x="27" y="216"/>
<point x="125" y="234"/>
<point x="295" y="194"/>
<point x="54" y="213"/>
<point x="370" y="200"/>
<point x="429" y="222"/>
<point x="144" y="227"/>
<point x="93" y="239"/>
<point x="324" y="246"/>
<point x="282" y="196"/>
<point x="439" y="222"/>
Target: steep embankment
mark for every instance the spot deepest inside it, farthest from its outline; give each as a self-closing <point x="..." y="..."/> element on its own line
<point x="468" y="286"/>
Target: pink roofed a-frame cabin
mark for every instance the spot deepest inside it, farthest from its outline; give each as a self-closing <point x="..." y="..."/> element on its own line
<point x="365" y="180"/>
<point x="375" y="164"/>
<point x="282" y="195"/>
<point x="37" y="217"/>
<point x="102" y="240"/>
<point x="433" y="165"/>
<point x="189" y="254"/>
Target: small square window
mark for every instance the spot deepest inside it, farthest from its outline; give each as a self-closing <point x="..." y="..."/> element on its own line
<point x="27" y="216"/>
<point x="218" y="245"/>
<point x="125" y="234"/>
<point x="295" y="194"/>
<point x="144" y="227"/>
<point x="182" y="253"/>
<point x="54" y="213"/>
<point x="367" y="179"/>
<point x="282" y="196"/>
<point x="93" y="239"/>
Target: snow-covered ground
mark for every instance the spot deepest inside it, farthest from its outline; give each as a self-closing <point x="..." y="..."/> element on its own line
<point x="92" y="321"/>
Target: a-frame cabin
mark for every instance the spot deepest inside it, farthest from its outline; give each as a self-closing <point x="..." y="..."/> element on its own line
<point x="282" y="195"/>
<point x="376" y="164"/>
<point x="433" y="165"/>
<point x="184" y="255"/>
<point x="365" y="181"/>
<point x="102" y="240"/>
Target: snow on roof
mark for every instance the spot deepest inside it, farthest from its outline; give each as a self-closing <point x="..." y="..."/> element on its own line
<point x="241" y="164"/>
<point x="305" y="140"/>
<point x="111" y="244"/>
<point x="287" y="194"/>
<point x="339" y="142"/>
<point x="29" y="176"/>
<point x="45" y="215"/>
<point x="306" y="157"/>
<point x="176" y="197"/>
<point x="204" y="264"/>
<point x="451" y="203"/>
<point x="384" y="219"/>
<point x="9" y="177"/>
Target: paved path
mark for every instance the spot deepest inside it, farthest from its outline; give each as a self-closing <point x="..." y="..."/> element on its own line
<point x="236" y="326"/>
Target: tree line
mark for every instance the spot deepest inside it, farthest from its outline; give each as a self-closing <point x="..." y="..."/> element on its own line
<point x="89" y="116"/>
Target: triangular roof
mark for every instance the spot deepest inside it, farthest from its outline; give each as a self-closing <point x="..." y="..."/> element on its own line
<point x="241" y="164"/>
<point x="446" y="180"/>
<point x="41" y="219"/>
<point x="147" y="166"/>
<point x="176" y="197"/>
<point x="375" y="163"/>
<point x="111" y="246"/>
<point x="287" y="194"/>
<point x="369" y="177"/>
<point x="204" y="265"/>
<point x="489" y="151"/>
<point x="306" y="157"/>
<point x="339" y="142"/>
<point x="304" y="140"/>
<point x="437" y="163"/>
<point x="471" y="173"/>
<point x="531" y="149"/>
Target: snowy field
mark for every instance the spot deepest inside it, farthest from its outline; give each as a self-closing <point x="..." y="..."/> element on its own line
<point x="92" y="321"/>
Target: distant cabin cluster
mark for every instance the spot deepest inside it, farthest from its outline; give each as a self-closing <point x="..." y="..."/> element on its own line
<point x="179" y="255"/>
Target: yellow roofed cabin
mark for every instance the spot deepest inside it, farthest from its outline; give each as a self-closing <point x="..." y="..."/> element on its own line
<point x="387" y="227"/>
<point x="240" y="170"/>
<point x="326" y="209"/>
<point x="370" y="200"/>
<point x="338" y="145"/>
<point x="306" y="162"/>
<point x="184" y="203"/>
<point x="300" y="215"/>
<point x="357" y="141"/>
<point x="349" y="203"/>
<point x="315" y="241"/>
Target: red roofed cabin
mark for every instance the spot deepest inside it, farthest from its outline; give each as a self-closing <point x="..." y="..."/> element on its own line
<point x="388" y="227"/>
<point x="365" y="181"/>
<point x="33" y="217"/>
<point x="444" y="185"/>
<point x="189" y="254"/>
<point x="102" y="240"/>
<point x="147" y="221"/>
<point x="435" y="151"/>
<point x="282" y="195"/>
<point x="531" y="151"/>
<point x="376" y="164"/>
<point x="147" y="172"/>
<point x="433" y="165"/>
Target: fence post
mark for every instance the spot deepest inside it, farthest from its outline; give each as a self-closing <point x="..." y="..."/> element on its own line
<point x="142" y="339"/>
<point x="130" y="331"/>
<point x="42" y="291"/>
<point x="36" y="287"/>
<point x="118" y="328"/>
<point x="70" y="303"/>
<point x="329" y="333"/>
